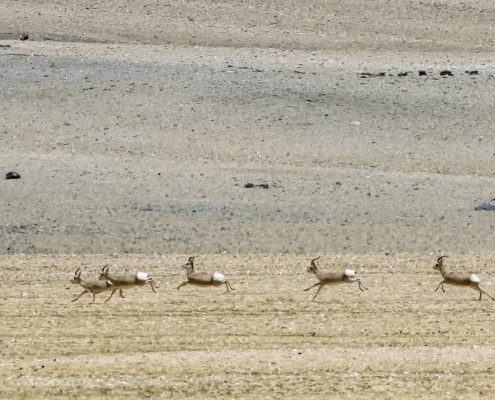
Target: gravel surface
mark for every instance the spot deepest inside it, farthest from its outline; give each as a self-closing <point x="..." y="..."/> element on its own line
<point x="148" y="149"/>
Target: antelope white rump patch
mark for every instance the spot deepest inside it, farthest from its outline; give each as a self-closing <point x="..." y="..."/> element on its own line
<point x="475" y="278"/>
<point x="142" y="276"/>
<point x="218" y="277"/>
<point x="350" y="273"/>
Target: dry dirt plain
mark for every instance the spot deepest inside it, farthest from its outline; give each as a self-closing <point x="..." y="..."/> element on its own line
<point x="136" y="125"/>
<point x="399" y="339"/>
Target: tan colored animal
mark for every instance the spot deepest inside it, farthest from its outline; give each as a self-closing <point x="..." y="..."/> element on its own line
<point x="127" y="281"/>
<point x="459" y="279"/>
<point x="203" y="278"/>
<point x="332" y="278"/>
<point x="93" y="286"/>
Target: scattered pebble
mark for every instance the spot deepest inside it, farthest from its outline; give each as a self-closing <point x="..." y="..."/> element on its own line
<point x="24" y="36"/>
<point x="12" y="175"/>
<point x="369" y="74"/>
<point x="421" y="72"/>
<point x="485" y="207"/>
<point x="250" y="185"/>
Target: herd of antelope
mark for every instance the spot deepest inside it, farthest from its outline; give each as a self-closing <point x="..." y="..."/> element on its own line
<point x="111" y="283"/>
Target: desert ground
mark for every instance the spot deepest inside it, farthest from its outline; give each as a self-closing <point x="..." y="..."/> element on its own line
<point x="399" y="339"/>
<point x="254" y="135"/>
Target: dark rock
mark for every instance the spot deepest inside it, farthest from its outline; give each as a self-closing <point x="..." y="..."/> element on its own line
<point x="370" y="74"/>
<point x="446" y="72"/>
<point x="402" y="74"/>
<point x="24" y="36"/>
<point x="472" y="72"/>
<point x="12" y="175"/>
<point x="485" y="207"/>
<point x="422" y="72"/>
<point x="260" y="185"/>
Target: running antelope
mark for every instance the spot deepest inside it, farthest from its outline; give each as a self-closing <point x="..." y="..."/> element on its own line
<point x="127" y="281"/>
<point x="332" y="278"/>
<point x="459" y="279"/>
<point x="203" y="278"/>
<point x="93" y="286"/>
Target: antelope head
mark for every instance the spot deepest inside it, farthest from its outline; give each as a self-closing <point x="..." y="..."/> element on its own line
<point x="104" y="273"/>
<point x="189" y="266"/>
<point x="439" y="263"/>
<point x="77" y="276"/>
<point x="313" y="268"/>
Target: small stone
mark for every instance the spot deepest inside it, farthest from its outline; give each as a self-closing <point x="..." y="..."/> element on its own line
<point x="12" y="175"/>
<point x="24" y="36"/>
<point x="446" y="73"/>
<point x="260" y="185"/>
<point x="422" y="72"/>
<point x="485" y="207"/>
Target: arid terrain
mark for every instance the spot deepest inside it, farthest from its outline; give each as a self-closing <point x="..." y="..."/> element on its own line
<point x="399" y="339"/>
<point x="254" y="135"/>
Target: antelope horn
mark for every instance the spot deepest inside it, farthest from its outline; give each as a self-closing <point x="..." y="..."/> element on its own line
<point x="314" y="259"/>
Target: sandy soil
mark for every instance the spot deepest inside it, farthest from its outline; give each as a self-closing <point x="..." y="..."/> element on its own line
<point x="147" y="149"/>
<point x="135" y="127"/>
<point x="399" y="339"/>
